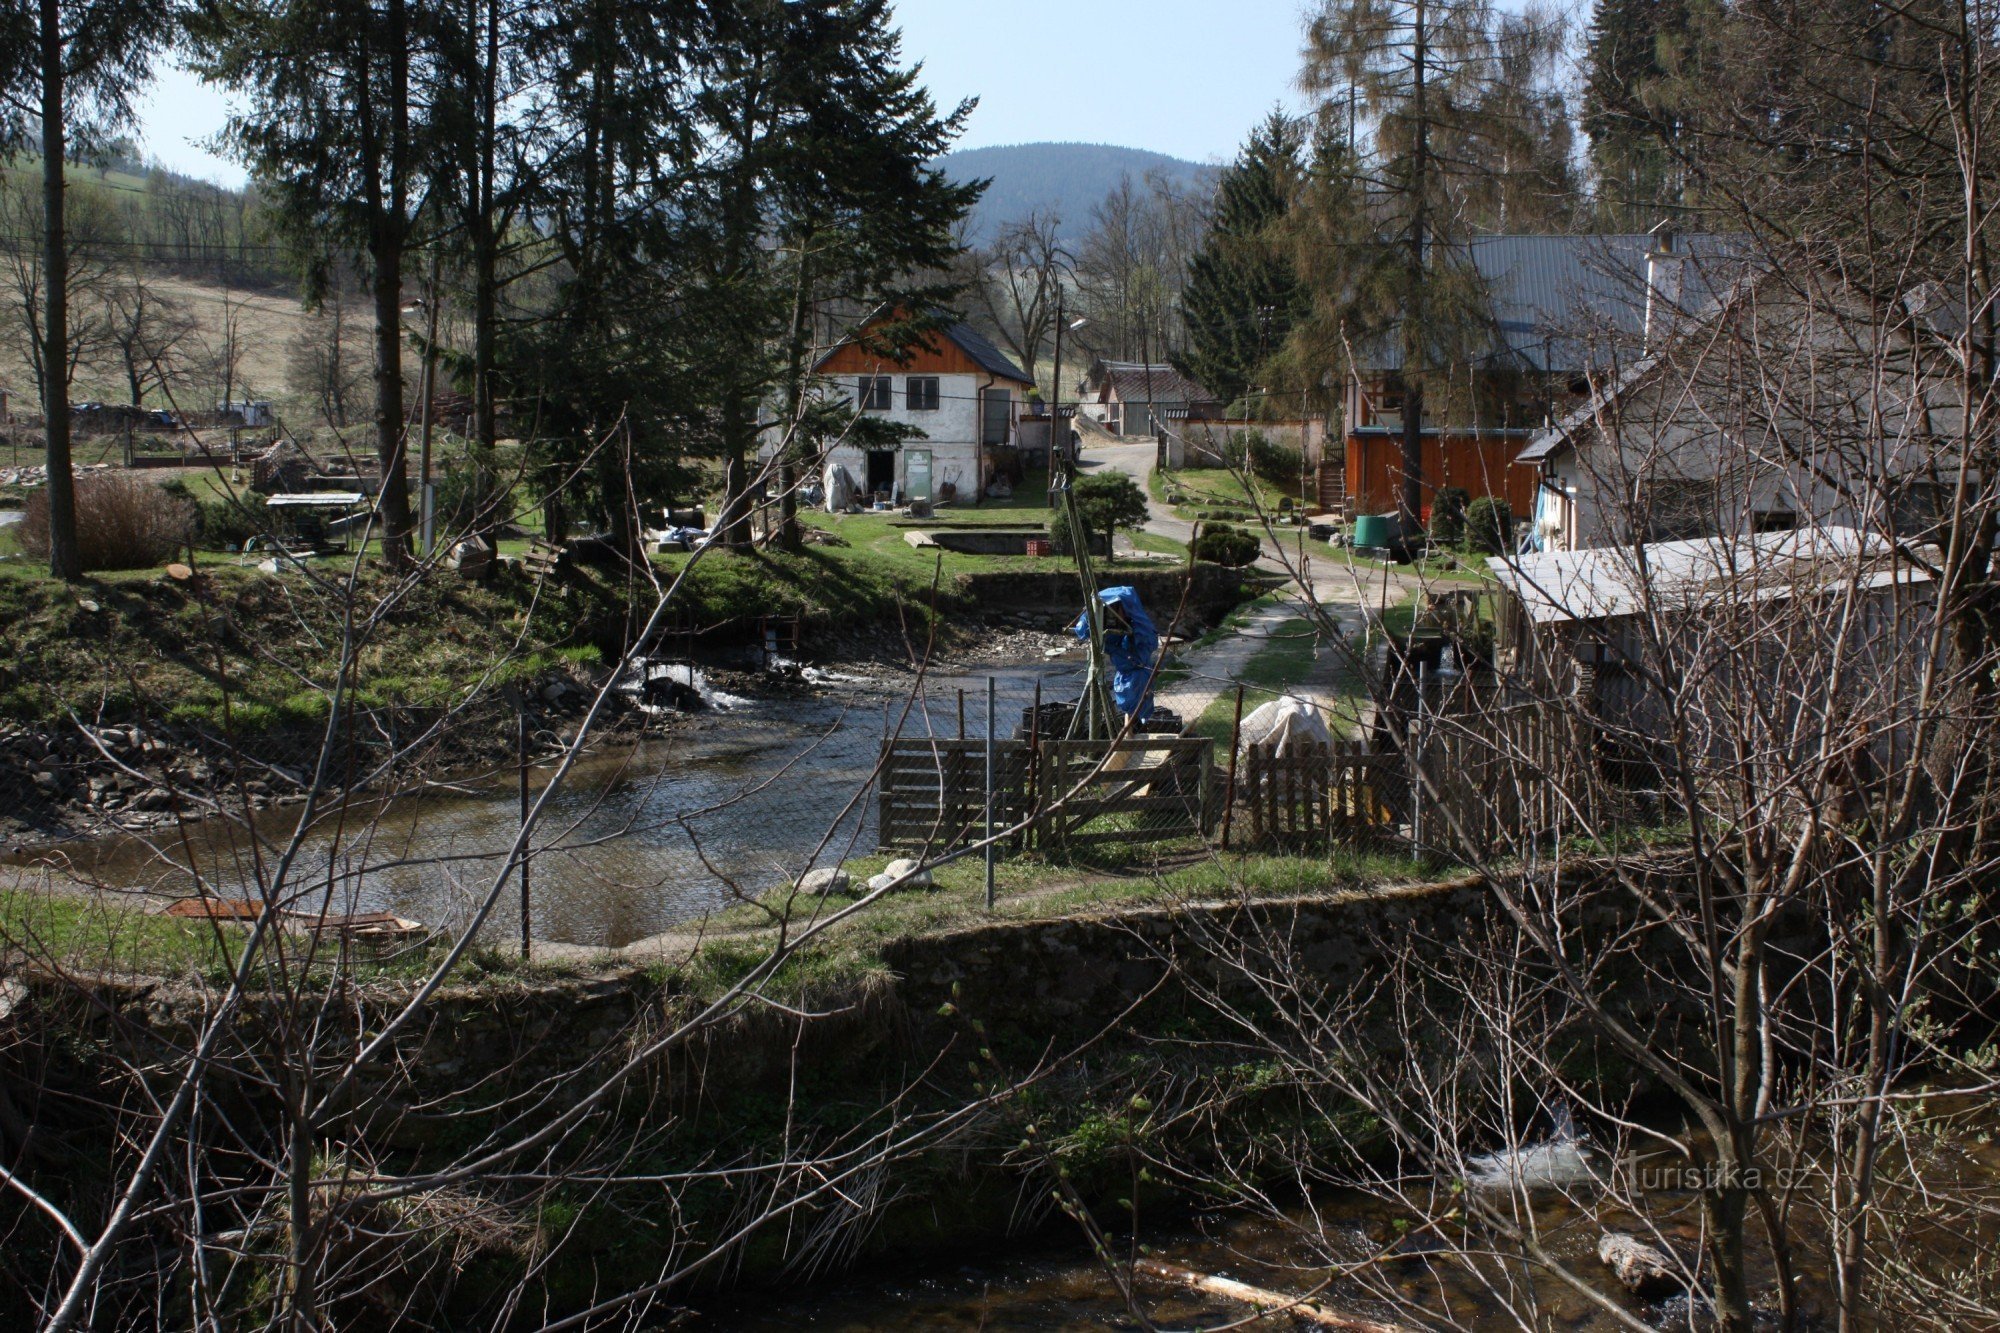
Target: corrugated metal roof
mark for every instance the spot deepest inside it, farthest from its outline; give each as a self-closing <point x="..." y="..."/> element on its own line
<point x="1603" y="583"/>
<point x="1557" y="299"/>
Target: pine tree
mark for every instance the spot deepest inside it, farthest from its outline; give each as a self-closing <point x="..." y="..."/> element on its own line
<point x="1242" y="295"/>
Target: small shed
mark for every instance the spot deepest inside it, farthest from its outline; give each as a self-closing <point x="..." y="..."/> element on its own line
<point x="1769" y="620"/>
<point x="316" y="518"/>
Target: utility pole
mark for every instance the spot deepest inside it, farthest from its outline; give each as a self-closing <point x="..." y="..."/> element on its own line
<point x="1055" y="400"/>
<point x="1410" y="506"/>
<point x="1152" y="422"/>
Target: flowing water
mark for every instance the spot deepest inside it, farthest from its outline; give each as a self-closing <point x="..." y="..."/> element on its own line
<point x="642" y="838"/>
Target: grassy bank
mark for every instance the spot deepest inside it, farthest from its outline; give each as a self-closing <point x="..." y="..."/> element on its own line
<point x="1197" y="492"/>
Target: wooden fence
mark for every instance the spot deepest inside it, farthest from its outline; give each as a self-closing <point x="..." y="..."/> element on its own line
<point x="1147" y="789"/>
<point x="1490" y="775"/>
<point x="932" y="792"/>
<point x="1315" y="793"/>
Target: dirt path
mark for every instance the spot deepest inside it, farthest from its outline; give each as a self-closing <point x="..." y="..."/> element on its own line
<point x="1351" y="596"/>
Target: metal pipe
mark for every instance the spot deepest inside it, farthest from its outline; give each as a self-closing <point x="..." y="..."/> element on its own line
<point x="989" y="789"/>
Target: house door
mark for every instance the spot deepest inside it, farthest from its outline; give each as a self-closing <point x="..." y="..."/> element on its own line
<point x="917" y="474"/>
<point x="881" y="471"/>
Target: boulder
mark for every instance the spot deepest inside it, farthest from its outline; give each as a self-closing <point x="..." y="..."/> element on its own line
<point x="824" y="881"/>
<point x="1645" y="1270"/>
<point x="896" y="871"/>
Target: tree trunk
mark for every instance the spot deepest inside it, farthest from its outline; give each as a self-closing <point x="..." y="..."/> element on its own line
<point x="386" y="253"/>
<point x="65" y="559"/>
<point x="1410" y="504"/>
<point x="485" y="261"/>
<point x="789" y="536"/>
<point x="390" y="435"/>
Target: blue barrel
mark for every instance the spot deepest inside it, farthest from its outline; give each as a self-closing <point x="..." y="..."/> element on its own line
<point x="1374" y="530"/>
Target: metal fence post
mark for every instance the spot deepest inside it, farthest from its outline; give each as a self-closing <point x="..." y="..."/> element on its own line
<point x="989" y="792"/>
<point x="1229" y="788"/>
<point x="521" y="745"/>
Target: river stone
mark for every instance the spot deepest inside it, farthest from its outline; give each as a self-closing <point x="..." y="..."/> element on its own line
<point x="1645" y="1270"/>
<point x="824" y="881"/>
<point x="896" y="870"/>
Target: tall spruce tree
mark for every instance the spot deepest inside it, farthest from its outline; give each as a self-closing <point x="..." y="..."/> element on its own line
<point x="335" y="130"/>
<point x="1633" y="47"/>
<point x="823" y="139"/>
<point x="1242" y="294"/>
<point x="69" y="70"/>
<point x="1417" y="70"/>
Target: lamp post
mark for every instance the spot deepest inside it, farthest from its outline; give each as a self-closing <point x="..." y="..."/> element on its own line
<point x="426" y="522"/>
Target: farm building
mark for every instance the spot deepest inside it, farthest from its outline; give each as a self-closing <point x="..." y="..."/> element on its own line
<point x="1787" y="634"/>
<point x="1557" y="309"/>
<point x="1139" y="398"/>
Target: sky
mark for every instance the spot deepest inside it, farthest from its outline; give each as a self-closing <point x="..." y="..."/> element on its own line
<point x="1185" y="77"/>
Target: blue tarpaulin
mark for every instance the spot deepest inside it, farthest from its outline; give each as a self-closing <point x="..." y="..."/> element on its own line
<point x="1131" y="647"/>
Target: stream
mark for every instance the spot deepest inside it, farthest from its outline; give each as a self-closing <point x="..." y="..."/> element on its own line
<point x="643" y="837"/>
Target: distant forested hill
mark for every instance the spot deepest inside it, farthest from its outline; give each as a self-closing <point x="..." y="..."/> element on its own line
<point x="1070" y="177"/>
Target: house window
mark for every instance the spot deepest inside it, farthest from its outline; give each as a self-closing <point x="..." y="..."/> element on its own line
<point x="875" y="393"/>
<point x="921" y="393"/>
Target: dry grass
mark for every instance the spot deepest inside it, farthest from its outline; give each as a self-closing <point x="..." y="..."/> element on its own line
<point x="122" y="522"/>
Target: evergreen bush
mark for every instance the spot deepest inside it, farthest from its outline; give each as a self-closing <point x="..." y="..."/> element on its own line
<point x="1448" y="515"/>
<point x="1230" y="547"/>
<point x="1489" y="526"/>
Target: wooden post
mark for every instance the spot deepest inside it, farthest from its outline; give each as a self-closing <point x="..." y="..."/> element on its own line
<point x="1229" y="787"/>
<point x="989" y="788"/>
<point x="1033" y="777"/>
<point x="521" y="746"/>
<point x="961" y="713"/>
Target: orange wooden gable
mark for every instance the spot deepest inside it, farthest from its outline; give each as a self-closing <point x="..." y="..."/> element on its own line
<point x="941" y="356"/>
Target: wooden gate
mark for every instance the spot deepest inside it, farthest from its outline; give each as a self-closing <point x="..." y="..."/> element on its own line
<point x="1146" y="789"/>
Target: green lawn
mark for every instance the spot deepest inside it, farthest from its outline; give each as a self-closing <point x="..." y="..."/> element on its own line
<point x="1203" y="489"/>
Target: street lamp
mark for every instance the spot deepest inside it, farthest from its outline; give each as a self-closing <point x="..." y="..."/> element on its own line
<point x="428" y="304"/>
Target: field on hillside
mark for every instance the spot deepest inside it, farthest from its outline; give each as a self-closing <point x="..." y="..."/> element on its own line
<point x="266" y="326"/>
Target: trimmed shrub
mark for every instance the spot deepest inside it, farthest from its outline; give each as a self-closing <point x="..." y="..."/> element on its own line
<point x="1230" y="547"/>
<point x="1109" y="501"/>
<point x="1448" y="515"/>
<point x="1105" y="501"/>
<point x="1489" y="526"/>
<point x="122" y="522"/>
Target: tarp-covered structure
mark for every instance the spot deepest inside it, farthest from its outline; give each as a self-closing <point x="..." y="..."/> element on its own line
<point x="1132" y="643"/>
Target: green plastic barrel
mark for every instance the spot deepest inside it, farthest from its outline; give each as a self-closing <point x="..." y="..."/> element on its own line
<point x="1374" y="529"/>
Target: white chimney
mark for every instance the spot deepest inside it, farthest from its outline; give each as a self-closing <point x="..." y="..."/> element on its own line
<point x="1663" y="283"/>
